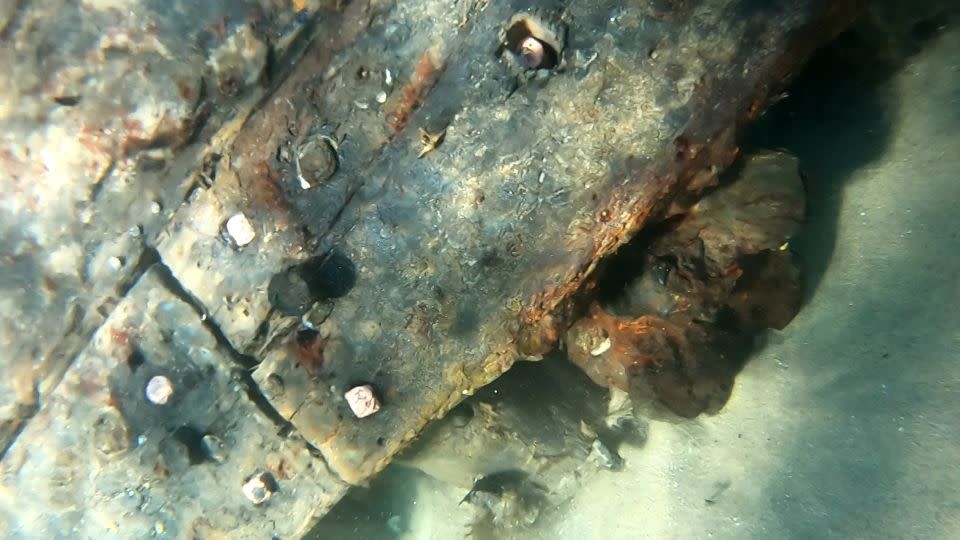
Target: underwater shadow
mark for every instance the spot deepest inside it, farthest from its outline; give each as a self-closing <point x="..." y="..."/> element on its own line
<point x="836" y="118"/>
<point x="881" y="379"/>
<point x="880" y="374"/>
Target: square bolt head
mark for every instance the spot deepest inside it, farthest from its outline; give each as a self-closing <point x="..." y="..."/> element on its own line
<point x="240" y="230"/>
<point x="362" y="400"/>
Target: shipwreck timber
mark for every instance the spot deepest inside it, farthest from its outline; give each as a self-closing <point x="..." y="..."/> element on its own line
<point x="420" y="203"/>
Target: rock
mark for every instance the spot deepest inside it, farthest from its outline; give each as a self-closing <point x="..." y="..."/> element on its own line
<point x="719" y="274"/>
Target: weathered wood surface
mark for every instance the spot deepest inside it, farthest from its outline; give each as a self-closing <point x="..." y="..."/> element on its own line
<point x="106" y="112"/>
<point x="100" y="460"/>
<point x="451" y="264"/>
<point x="467" y="258"/>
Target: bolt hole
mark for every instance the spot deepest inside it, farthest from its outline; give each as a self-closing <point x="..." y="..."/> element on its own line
<point x="306" y="336"/>
<point x="136" y="359"/>
<point x="929" y="28"/>
<point x="192" y="440"/>
<point x="533" y="43"/>
<point x="462" y="414"/>
<point x="330" y="276"/>
<point x="294" y="290"/>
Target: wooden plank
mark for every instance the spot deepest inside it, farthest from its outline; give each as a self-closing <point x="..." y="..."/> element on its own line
<point x="467" y="258"/>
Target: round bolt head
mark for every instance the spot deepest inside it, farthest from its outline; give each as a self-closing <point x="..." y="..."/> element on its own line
<point x="362" y="400"/>
<point x="159" y="389"/>
<point x="532" y="52"/>
<point x="259" y="488"/>
<point x="317" y="161"/>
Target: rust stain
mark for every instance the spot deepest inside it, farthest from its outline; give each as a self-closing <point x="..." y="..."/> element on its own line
<point x="265" y="189"/>
<point x="711" y="145"/>
<point x="169" y="131"/>
<point x="307" y="351"/>
<point x="186" y="92"/>
<point x="425" y="75"/>
<point x="120" y="337"/>
<point x="282" y="470"/>
<point x="219" y="29"/>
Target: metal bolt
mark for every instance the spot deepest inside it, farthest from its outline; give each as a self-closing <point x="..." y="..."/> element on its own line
<point x="259" y="488"/>
<point x="531" y="51"/>
<point x="362" y="400"/>
<point x="316" y="160"/>
<point x="159" y="389"/>
<point x="240" y="230"/>
<point x="214" y="447"/>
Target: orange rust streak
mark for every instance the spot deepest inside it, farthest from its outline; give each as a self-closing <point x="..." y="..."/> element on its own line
<point x="265" y="186"/>
<point x="308" y="355"/>
<point x="425" y="75"/>
<point x="634" y="212"/>
<point x="120" y="337"/>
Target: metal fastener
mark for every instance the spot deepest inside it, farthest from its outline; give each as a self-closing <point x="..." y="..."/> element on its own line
<point x="532" y="52"/>
<point x="240" y="230"/>
<point x="260" y="487"/>
<point x="159" y="389"/>
<point x="362" y="400"/>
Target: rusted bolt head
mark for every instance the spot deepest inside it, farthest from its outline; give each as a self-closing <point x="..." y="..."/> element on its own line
<point x="159" y="389"/>
<point x="531" y="51"/>
<point x="260" y="487"/>
<point x="362" y="400"/>
<point x="317" y="161"/>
